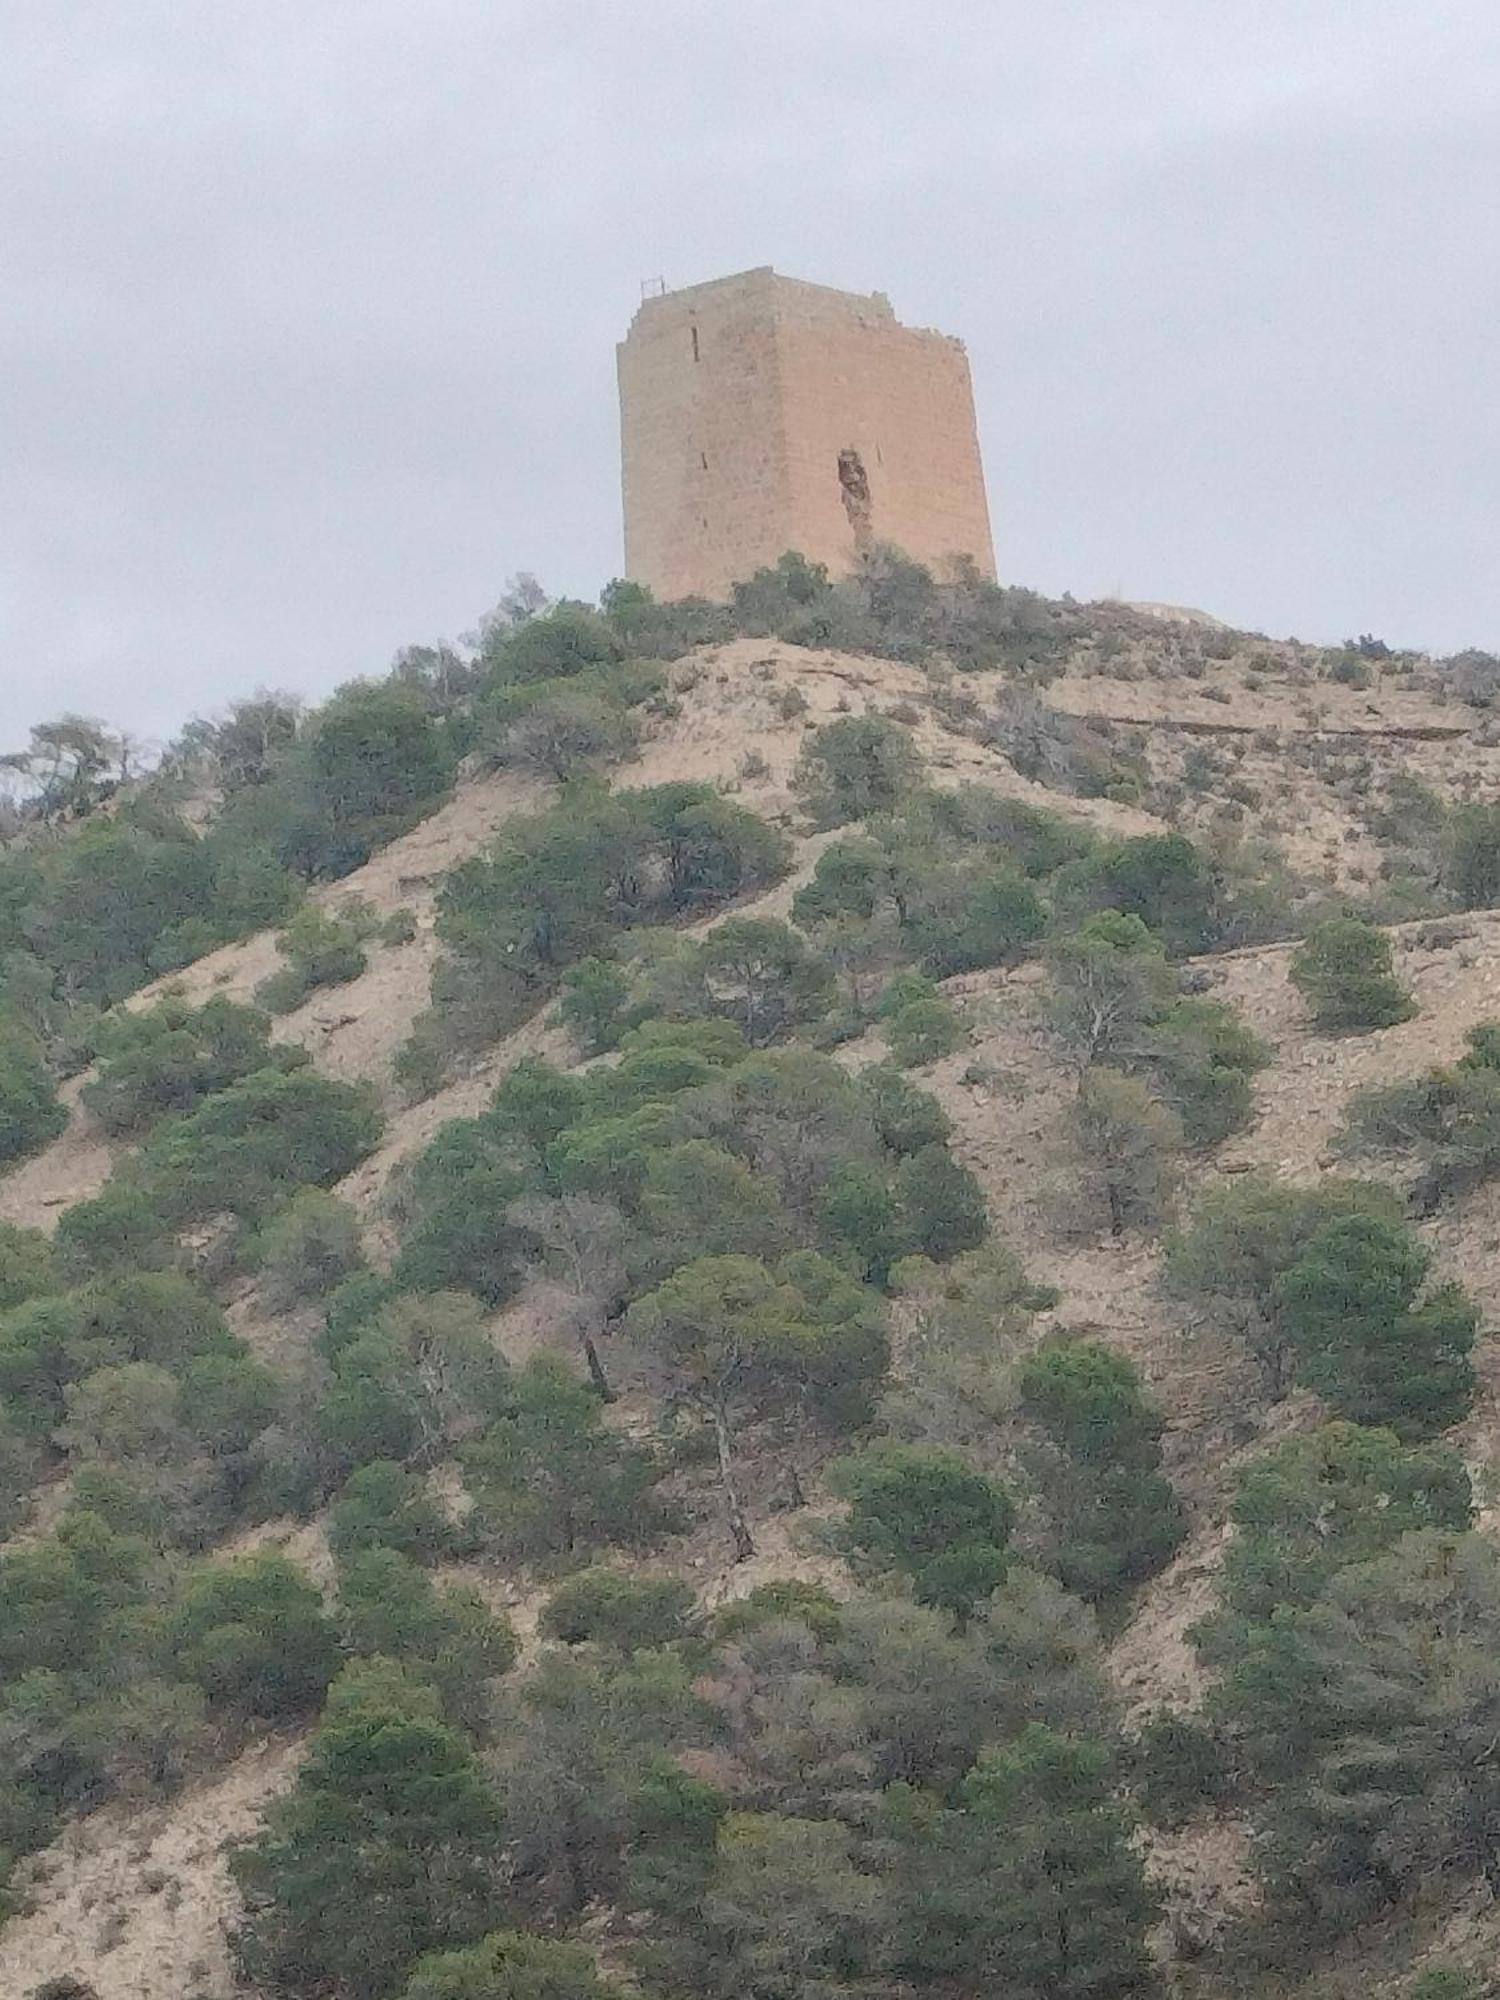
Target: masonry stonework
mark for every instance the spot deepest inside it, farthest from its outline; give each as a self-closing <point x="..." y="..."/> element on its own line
<point x="760" y="414"/>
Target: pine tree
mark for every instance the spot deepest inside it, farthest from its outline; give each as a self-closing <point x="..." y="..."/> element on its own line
<point x="1029" y="1885"/>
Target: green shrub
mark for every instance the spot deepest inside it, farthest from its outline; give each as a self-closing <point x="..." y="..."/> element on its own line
<point x="27" y="1265"/>
<point x="356" y="1304"/>
<point x="383" y="1506"/>
<point x="788" y="590"/>
<point x="307" y="1248"/>
<point x="387" y="1847"/>
<point x="925" y="1511"/>
<point x="1089" y="1397"/>
<point x="906" y="1117"/>
<point x="940" y="1205"/>
<point x="923" y="1031"/>
<point x="559" y="886"/>
<point x="21" y="1461"/>
<point x="31" y="1112"/>
<point x="446" y="1634"/>
<point x="1448" y="1118"/>
<point x="123" y="899"/>
<point x="156" y="1061"/>
<point x="1349" y="669"/>
<point x="137" y="1316"/>
<point x="516" y="1965"/>
<point x="1203" y="1056"/>
<point x="121" y="1228"/>
<point x="571" y="639"/>
<point x="759" y="974"/>
<point x="253" y="1636"/>
<point x="904" y="989"/>
<point x="423" y="1062"/>
<point x="755" y="972"/>
<point x="1161" y="878"/>
<point x="855" y="766"/>
<point x="1344" y="971"/>
<point x="376" y="761"/>
<point x="596" y="1004"/>
<point x="247" y="1147"/>
<point x="1126" y="1147"/>
<point x="1244" y="1234"/>
<point x="1027" y="1882"/>
<point x="1349" y="1719"/>
<point x="1180" y="1768"/>
<point x="991" y="918"/>
<point x="1109" y="983"/>
<point x="558" y="728"/>
<point x="787" y="1598"/>
<point x="550" y="1481"/>
<point x="454" y="1204"/>
<point x="616" y="1608"/>
<point x="738" y="1342"/>
<point x="321" y="948"/>
<point x="419" y="1378"/>
<point x="1362" y="1337"/>
<point x="948" y="880"/>
<point x="1471" y="856"/>
<point x="1315" y="1505"/>
<point x="1114" y="1520"/>
<point x="1445" y="1982"/>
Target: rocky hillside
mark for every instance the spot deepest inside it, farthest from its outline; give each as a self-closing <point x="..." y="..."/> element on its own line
<point x="1031" y="999"/>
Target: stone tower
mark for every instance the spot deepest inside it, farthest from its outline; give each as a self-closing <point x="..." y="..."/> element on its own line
<point x="760" y="414"/>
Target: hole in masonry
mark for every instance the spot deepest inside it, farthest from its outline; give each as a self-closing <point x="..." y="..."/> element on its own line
<point x="854" y="485"/>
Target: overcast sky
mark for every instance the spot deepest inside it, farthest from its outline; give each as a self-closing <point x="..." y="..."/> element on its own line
<point x="307" y="307"/>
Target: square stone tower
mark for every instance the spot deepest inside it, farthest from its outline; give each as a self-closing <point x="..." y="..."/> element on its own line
<point x="760" y="414"/>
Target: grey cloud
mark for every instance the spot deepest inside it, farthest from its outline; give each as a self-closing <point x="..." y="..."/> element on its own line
<point x="307" y="308"/>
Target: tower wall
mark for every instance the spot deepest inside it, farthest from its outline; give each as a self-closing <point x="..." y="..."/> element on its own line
<point x="760" y="414"/>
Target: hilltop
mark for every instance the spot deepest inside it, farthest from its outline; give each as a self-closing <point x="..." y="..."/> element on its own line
<point x="933" y="964"/>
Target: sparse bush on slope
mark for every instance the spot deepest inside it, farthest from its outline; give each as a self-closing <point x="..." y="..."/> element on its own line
<point x="559" y="728"/>
<point x="160" y="1060"/>
<point x="1344" y="970"/>
<point x="855" y="766"/>
<point x="559" y="887"/>
<point x="1241" y="1236"/>
<point x="111" y="906"/>
<point x="1112" y="1518"/>
<point x="247" y="1147"/>
<point x="307" y="1248"/>
<point x="319" y="948"/>
<point x="30" y="1111"/>
<point x="926" y="1512"/>
<point x="1113" y="1000"/>
<point x="1447" y="1121"/>
<point x="1368" y="1336"/>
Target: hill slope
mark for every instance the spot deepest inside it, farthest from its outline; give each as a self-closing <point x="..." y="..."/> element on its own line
<point x="1254" y="752"/>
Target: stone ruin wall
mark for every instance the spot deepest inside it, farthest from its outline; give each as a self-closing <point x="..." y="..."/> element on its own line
<point x="760" y="414"/>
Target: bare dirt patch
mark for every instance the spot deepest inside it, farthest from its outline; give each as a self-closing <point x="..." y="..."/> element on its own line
<point x="139" y="1903"/>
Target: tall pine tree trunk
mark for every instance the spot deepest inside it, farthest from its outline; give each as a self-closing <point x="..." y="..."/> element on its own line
<point x="739" y="1527"/>
<point x="596" y="1368"/>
